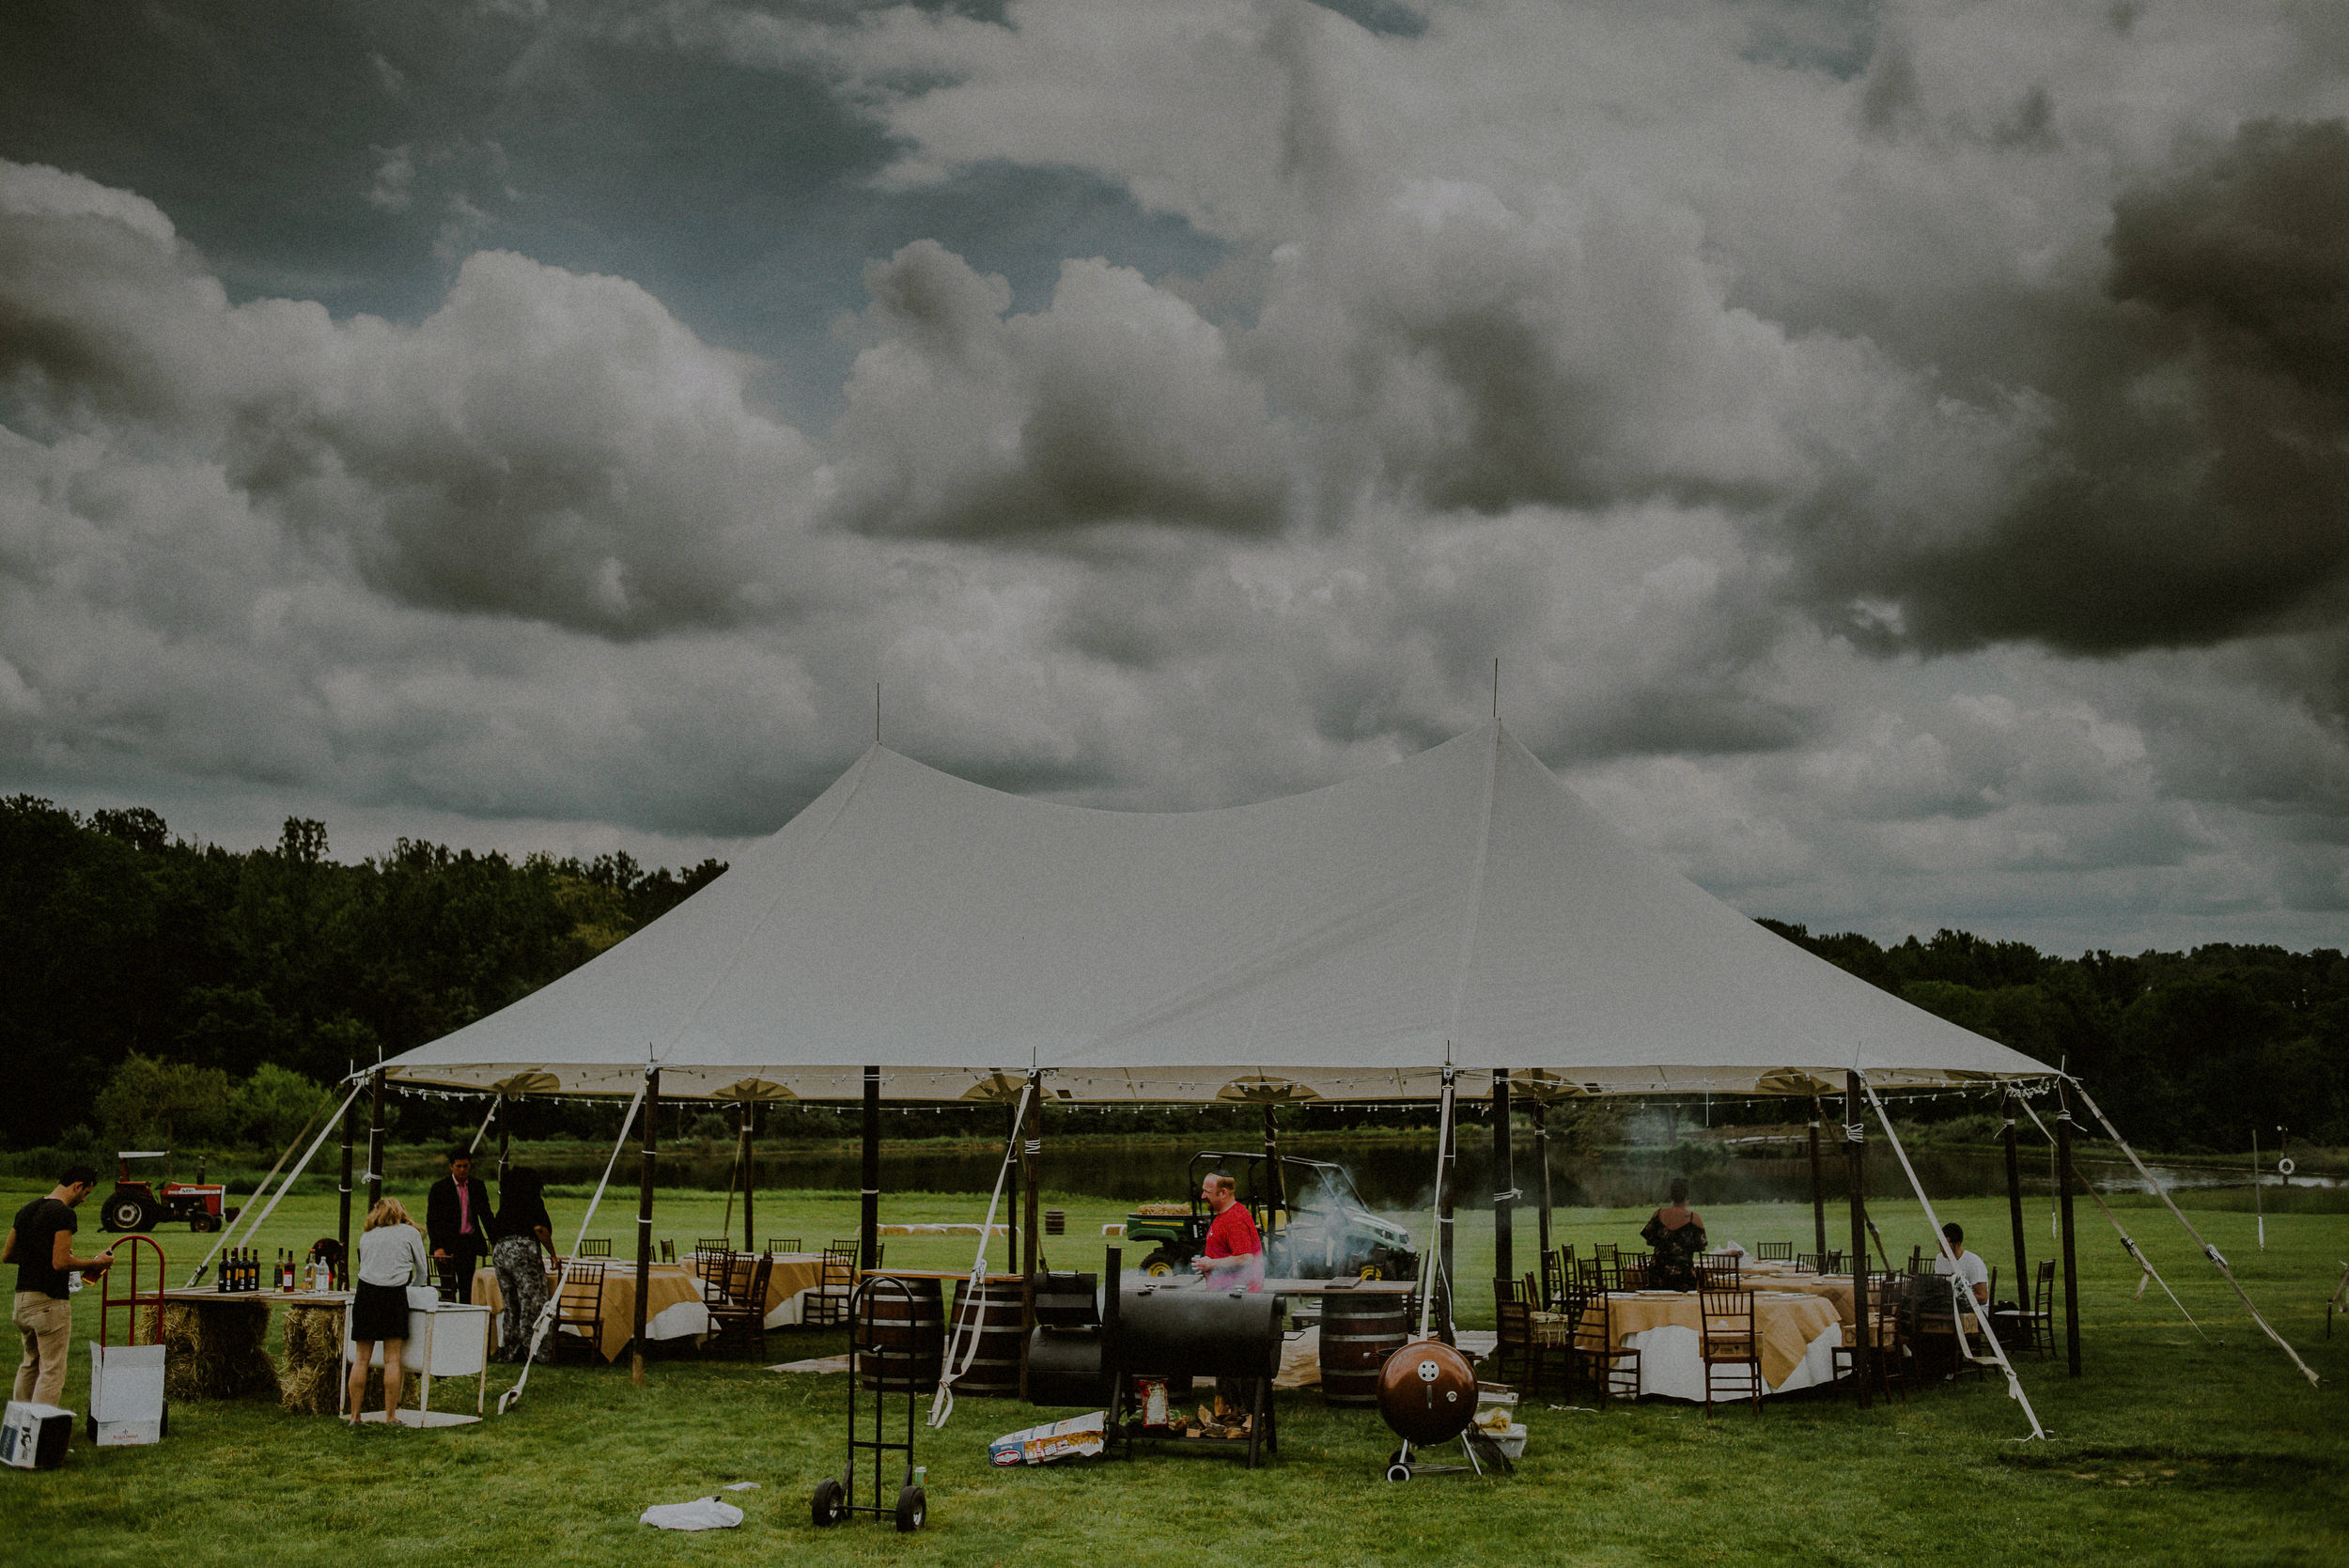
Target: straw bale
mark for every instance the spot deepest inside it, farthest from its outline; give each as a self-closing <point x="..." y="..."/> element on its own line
<point x="217" y="1350"/>
<point x="313" y="1369"/>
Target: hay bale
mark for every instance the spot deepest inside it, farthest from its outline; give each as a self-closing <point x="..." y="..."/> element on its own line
<point x="314" y="1358"/>
<point x="217" y="1350"/>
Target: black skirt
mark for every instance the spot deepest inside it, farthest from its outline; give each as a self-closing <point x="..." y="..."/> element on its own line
<point x="380" y="1313"/>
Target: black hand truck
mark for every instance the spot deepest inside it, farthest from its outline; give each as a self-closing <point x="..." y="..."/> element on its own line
<point x="835" y="1496"/>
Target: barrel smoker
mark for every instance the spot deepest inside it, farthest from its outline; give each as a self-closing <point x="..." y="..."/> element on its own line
<point x="1079" y="1355"/>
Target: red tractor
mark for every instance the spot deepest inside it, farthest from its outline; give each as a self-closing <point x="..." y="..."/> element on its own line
<point x="135" y="1205"/>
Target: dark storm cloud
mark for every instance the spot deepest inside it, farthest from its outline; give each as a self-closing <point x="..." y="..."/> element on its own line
<point x="2178" y="478"/>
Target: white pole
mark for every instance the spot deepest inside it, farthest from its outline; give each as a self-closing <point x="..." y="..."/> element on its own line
<point x="1982" y="1314"/>
<point x="482" y="1131"/>
<point x="943" y="1404"/>
<point x="2209" y="1252"/>
<point x="1431" y="1266"/>
<point x="2258" y="1204"/>
<point x="512" y="1396"/>
<point x="253" y="1226"/>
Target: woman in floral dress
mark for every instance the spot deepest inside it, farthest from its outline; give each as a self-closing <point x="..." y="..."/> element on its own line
<point x="1675" y="1234"/>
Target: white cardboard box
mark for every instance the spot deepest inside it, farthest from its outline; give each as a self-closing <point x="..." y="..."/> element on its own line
<point x="126" y="1394"/>
<point x="33" y="1436"/>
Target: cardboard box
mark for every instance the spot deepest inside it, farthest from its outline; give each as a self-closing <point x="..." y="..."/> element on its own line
<point x="126" y="1394"/>
<point x="33" y="1436"/>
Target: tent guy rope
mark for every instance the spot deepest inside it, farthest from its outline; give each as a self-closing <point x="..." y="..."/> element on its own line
<point x="253" y="1228"/>
<point x="943" y="1405"/>
<point x="2144" y="1264"/>
<point x="2209" y="1252"/>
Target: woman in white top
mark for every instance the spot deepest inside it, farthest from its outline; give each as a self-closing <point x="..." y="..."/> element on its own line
<point x="390" y="1258"/>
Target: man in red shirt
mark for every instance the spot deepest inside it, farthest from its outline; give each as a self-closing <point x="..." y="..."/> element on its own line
<point x="1233" y="1258"/>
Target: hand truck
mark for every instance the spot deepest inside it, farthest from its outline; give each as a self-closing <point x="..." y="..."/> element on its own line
<point x="835" y="1496"/>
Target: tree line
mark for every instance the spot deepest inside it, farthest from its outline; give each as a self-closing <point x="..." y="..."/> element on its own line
<point x="158" y="988"/>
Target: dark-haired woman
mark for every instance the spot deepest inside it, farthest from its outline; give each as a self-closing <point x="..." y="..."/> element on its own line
<point x="1675" y="1234"/>
<point x="524" y="1237"/>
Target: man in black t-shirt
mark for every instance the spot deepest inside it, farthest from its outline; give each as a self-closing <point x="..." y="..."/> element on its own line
<point x="40" y="1245"/>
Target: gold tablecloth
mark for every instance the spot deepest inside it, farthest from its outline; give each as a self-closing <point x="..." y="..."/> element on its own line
<point x="1784" y="1323"/>
<point x="1827" y="1287"/>
<point x="667" y="1285"/>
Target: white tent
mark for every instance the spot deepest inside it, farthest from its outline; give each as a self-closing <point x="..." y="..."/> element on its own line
<point x="1343" y="944"/>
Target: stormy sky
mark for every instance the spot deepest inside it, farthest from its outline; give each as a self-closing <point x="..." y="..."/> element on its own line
<point x="1899" y="452"/>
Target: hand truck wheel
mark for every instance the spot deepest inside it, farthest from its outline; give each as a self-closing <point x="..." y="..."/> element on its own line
<point x="1398" y="1471"/>
<point x="827" y="1506"/>
<point x="911" y="1508"/>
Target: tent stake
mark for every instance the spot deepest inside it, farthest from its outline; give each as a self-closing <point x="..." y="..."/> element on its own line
<point x="1854" y="1173"/>
<point x="643" y="1223"/>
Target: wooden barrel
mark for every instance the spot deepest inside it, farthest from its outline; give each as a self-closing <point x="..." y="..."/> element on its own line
<point x="900" y="1350"/>
<point x="992" y="1311"/>
<point x="1358" y="1334"/>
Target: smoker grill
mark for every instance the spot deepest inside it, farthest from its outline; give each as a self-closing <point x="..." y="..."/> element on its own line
<point x="1078" y="1357"/>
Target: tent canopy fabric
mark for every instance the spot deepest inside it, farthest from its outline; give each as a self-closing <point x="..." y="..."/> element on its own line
<point x="1461" y="906"/>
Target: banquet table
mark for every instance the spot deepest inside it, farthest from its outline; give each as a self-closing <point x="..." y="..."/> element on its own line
<point x="1797" y="1334"/>
<point x="1787" y="1276"/>
<point x="673" y="1299"/>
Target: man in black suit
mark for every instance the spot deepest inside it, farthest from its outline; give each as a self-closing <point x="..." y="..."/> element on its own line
<point x="457" y="1221"/>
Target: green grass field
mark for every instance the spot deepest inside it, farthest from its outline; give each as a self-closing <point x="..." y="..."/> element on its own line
<point x="2170" y="1449"/>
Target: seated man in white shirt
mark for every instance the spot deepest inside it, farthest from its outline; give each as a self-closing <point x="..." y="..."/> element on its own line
<point x="1970" y="1268"/>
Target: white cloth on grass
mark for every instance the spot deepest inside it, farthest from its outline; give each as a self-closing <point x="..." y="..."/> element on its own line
<point x="701" y="1514"/>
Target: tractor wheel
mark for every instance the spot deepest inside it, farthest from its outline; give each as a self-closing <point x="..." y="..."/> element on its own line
<point x="127" y="1214"/>
<point x="911" y="1507"/>
<point x="202" y="1223"/>
<point x="828" y="1505"/>
<point x="1162" y="1263"/>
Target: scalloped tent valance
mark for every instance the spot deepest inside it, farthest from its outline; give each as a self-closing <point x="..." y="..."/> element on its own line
<point x="1343" y="944"/>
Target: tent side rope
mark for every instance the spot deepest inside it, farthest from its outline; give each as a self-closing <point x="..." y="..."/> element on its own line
<point x="512" y="1396"/>
<point x="2144" y="1264"/>
<point x="2209" y="1252"/>
<point x="1959" y="1310"/>
<point x="966" y="1335"/>
<point x="253" y="1228"/>
<point x="483" y="1130"/>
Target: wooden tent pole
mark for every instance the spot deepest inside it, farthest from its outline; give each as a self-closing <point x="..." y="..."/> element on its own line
<point x="1504" y="1182"/>
<point x="1818" y="1182"/>
<point x="1541" y="1145"/>
<point x="1856" y="1171"/>
<point x="869" y="1232"/>
<point x="2063" y="1211"/>
<point x="342" y="1229"/>
<point x="375" y="1146"/>
<point x="1449" y="1156"/>
<point x="644" y="1223"/>
<point x="750" y="1174"/>
<point x="2014" y="1206"/>
<point x="1275" y="1189"/>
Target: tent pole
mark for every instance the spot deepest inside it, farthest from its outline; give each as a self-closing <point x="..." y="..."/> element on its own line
<point x="506" y="1143"/>
<point x="2063" y="1210"/>
<point x="643" y="1222"/>
<point x="750" y="1172"/>
<point x="1541" y="1144"/>
<point x="869" y="1232"/>
<point x="1011" y="1212"/>
<point x="1031" y="1159"/>
<point x="2014" y="1205"/>
<point x="1854" y="1170"/>
<point x="375" y="1143"/>
<point x="1275" y="1191"/>
<point x="342" y="1229"/>
<point x="1505" y="1183"/>
<point x="1447" y="1161"/>
<point x="1818" y="1182"/>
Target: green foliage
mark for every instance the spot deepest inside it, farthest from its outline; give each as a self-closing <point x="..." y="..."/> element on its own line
<point x="155" y="1104"/>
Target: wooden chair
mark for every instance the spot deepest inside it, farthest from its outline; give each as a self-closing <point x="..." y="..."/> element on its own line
<point x="1717" y="1271"/>
<point x="2032" y="1328"/>
<point x="1880" y="1317"/>
<point x="713" y="1244"/>
<point x="1516" y="1345"/>
<point x="668" y="1251"/>
<point x="579" y="1311"/>
<point x="1596" y="1363"/>
<point x="738" y="1311"/>
<point x="1557" y="1274"/>
<point x="1774" y="1251"/>
<point x="782" y="1244"/>
<point x="594" y="1247"/>
<point x="827" y="1303"/>
<point x="1732" y="1353"/>
<point x="1820" y="1262"/>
